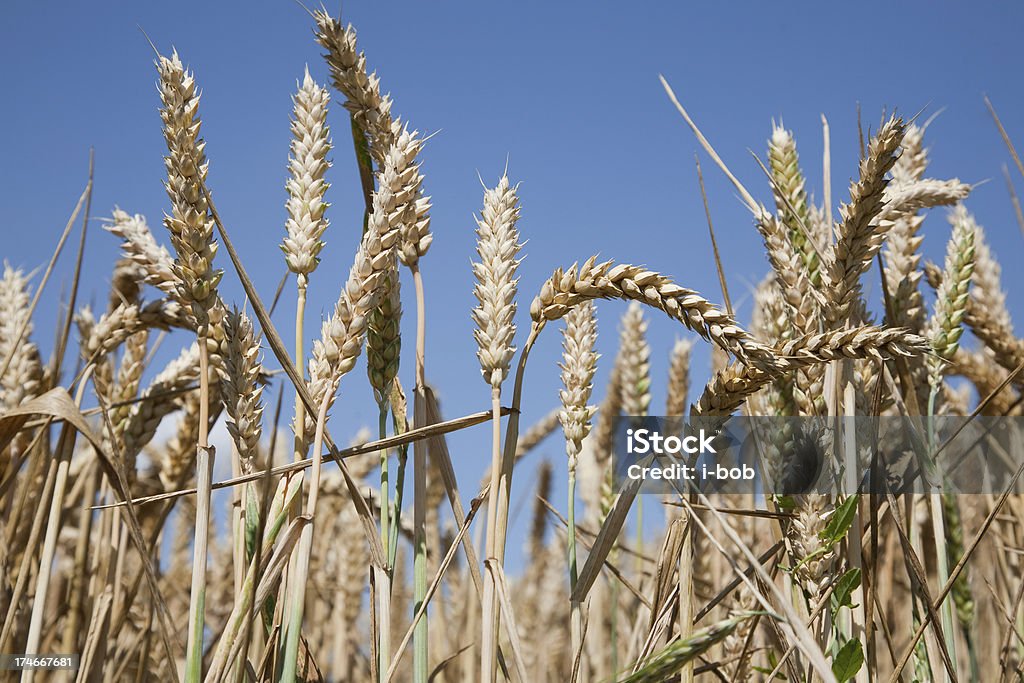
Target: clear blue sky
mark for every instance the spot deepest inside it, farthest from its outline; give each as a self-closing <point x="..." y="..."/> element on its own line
<point x="567" y="92"/>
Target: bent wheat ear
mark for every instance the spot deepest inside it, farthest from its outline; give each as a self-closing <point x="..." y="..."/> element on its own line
<point x="306" y="185"/>
<point x="495" y="290"/>
<point x="731" y="386"/>
<point x="593" y="280"/>
<point x="189" y="222"/>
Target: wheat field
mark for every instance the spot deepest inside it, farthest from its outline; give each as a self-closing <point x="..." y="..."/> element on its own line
<point x="339" y="556"/>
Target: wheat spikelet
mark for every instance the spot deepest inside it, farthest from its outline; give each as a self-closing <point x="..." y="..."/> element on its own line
<point x="340" y="343"/>
<point x="944" y="328"/>
<point x="816" y="562"/>
<point x="859" y="234"/>
<point x="306" y="185"/>
<point x="678" y="377"/>
<point x="141" y="248"/>
<point x="788" y="264"/>
<point x="1007" y="349"/>
<point x="189" y="222"/>
<point x="496" y="282"/>
<point x="240" y="386"/>
<point x="23" y="378"/>
<point x="593" y="280"/>
<point x="635" y="376"/>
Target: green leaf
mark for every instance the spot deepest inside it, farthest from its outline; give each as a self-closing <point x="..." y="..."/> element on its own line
<point x="840" y="521"/>
<point x="847" y="583"/>
<point x="847" y="661"/>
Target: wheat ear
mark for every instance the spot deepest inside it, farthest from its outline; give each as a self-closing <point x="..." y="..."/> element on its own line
<point x="496" y="286"/>
<point x="340" y="343"/>
<point x="859" y="233"/>
<point x="945" y="327"/>
<point x="678" y="377"/>
<point x="791" y="196"/>
<point x="241" y="387"/>
<point x="593" y="280"/>
<point x="191" y="227"/>
<point x="579" y="363"/>
<point x="141" y="247"/>
<point x="370" y="110"/>
<point x="23" y="378"/>
<point x="306" y="185"/>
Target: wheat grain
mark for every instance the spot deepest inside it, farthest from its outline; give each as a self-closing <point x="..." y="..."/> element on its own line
<point x="306" y="185"/>
<point x="496" y="282"/>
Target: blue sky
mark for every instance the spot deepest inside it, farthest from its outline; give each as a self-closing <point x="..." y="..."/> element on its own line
<point x="566" y="92"/>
